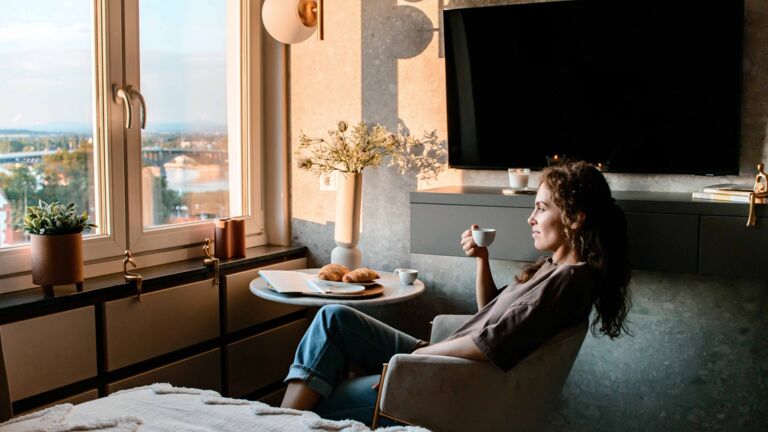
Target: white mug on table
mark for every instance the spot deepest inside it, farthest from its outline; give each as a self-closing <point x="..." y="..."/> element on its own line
<point x="407" y="276"/>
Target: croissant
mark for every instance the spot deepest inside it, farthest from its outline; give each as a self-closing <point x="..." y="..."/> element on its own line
<point x="332" y="272"/>
<point x="360" y="275"/>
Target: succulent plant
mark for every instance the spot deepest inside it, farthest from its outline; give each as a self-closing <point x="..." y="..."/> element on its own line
<point x="55" y="218"/>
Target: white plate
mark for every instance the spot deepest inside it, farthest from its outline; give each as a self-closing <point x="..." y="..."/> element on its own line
<point x="342" y="284"/>
<point x="337" y="288"/>
<point x="346" y="290"/>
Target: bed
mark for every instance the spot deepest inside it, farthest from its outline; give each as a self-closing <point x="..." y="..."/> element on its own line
<point x="162" y="407"/>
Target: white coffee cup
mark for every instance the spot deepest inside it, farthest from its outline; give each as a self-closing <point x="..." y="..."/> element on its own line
<point x="518" y="177"/>
<point x="407" y="276"/>
<point x="483" y="237"/>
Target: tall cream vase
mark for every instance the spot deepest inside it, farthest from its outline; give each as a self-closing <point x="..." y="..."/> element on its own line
<point x="349" y="191"/>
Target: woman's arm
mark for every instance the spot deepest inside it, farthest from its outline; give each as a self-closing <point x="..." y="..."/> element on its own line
<point x="485" y="288"/>
<point x="462" y="347"/>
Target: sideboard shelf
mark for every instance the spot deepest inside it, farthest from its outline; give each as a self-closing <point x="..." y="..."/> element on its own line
<point x="668" y="231"/>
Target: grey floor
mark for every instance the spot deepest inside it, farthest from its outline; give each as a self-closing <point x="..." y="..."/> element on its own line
<point x="698" y="361"/>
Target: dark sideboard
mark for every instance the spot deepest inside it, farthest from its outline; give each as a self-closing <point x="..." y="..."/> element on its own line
<point x="185" y="330"/>
<point x="667" y="231"/>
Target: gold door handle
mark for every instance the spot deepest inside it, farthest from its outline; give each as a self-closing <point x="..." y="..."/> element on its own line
<point x="121" y="96"/>
<point x="142" y="104"/>
<point x="130" y="276"/>
<point x="210" y="261"/>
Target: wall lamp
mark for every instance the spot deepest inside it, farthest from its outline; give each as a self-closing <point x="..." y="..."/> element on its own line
<point x="292" y="21"/>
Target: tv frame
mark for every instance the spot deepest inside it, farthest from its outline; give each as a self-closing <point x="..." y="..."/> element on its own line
<point x="734" y="170"/>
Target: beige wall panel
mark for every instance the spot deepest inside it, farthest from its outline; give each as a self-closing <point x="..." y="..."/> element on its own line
<point x="263" y="359"/>
<point x="201" y="371"/>
<point x="164" y="321"/>
<point x="48" y="352"/>
<point x="79" y="398"/>
<point x="245" y="309"/>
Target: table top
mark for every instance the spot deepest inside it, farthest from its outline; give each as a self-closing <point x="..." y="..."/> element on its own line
<point x="394" y="292"/>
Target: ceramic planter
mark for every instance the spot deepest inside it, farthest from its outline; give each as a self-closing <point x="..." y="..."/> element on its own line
<point x="57" y="260"/>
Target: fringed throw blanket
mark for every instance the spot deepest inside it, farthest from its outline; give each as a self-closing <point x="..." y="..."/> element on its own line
<point x="162" y="407"/>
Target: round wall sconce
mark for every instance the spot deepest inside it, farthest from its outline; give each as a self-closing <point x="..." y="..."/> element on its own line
<point x="293" y="21"/>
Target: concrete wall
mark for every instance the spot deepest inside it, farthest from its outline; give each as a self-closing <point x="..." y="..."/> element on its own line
<point x="699" y="357"/>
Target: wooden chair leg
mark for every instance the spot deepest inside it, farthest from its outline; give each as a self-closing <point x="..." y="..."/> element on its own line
<point x="376" y="408"/>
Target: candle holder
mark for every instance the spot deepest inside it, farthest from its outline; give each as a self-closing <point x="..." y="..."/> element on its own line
<point x="518" y="177"/>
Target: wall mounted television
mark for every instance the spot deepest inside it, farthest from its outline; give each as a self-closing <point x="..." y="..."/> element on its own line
<point x="642" y="86"/>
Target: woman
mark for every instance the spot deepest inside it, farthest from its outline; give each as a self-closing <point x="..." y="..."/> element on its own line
<point x="575" y="218"/>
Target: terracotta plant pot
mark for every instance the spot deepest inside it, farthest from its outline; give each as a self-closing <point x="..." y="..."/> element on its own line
<point x="57" y="260"/>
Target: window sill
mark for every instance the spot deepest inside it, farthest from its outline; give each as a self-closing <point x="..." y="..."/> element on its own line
<point x="31" y="302"/>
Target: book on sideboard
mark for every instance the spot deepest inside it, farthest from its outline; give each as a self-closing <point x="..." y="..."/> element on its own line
<point x="710" y="196"/>
<point x="730" y="189"/>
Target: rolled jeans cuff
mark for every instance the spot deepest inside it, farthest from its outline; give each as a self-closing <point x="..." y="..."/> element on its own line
<point x="311" y="378"/>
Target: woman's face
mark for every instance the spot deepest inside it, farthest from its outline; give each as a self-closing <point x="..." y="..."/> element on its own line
<point x="547" y="228"/>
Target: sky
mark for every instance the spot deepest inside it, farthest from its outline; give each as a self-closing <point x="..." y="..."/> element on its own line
<point x="46" y="62"/>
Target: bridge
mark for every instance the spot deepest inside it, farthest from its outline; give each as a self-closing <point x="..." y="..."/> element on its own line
<point x="152" y="156"/>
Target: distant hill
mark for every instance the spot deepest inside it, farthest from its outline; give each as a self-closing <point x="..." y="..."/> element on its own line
<point x="189" y="127"/>
<point x="19" y="132"/>
<point x="79" y="128"/>
<point x="50" y="128"/>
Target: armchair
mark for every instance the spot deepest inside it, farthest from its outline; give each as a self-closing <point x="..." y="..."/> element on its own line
<point x="455" y="394"/>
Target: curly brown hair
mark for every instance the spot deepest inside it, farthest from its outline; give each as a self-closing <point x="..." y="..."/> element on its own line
<point x="600" y="240"/>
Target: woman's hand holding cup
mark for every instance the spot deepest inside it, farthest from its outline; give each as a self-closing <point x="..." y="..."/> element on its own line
<point x="470" y="246"/>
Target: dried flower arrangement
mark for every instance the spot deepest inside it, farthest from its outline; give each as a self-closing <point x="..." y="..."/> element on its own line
<point x="353" y="150"/>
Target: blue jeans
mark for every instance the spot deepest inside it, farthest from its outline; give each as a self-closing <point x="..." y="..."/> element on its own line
<point x="338" y="336"/>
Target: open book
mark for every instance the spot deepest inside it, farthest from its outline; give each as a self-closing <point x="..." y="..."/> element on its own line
<point x="293" y="282"/>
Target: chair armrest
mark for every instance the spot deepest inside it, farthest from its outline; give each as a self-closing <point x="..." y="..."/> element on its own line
<point x="444" y="325"/>
<point x="434" y="391"/>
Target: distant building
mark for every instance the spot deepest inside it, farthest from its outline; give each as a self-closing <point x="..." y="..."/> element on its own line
<point x="6" y="224"/>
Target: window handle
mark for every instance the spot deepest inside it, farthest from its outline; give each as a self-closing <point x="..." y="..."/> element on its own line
<point x="143" y="105"/>
<point x="121" y="96"/>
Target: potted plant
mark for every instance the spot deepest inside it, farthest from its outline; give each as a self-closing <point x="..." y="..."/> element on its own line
<point x="56" y="234"/>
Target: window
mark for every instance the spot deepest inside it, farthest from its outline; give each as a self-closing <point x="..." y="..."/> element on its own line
<point x="190" y="68"/>
<point x="46" y="113"/>
<point x="184" y="72"/>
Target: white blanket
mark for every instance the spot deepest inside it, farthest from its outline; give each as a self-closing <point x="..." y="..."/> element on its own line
<point x="162" y="407"/>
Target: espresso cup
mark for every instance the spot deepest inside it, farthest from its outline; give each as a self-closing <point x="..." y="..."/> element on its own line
<point x="407" y="276"/>
<point x="483" y="237"/>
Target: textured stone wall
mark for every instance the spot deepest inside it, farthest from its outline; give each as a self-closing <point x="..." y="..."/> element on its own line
<point x="699" y="357"/>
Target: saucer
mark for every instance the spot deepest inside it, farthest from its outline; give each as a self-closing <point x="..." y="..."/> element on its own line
<point x="518" y="191"/>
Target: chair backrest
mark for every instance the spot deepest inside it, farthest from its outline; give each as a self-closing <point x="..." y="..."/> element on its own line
<point x="444" y="325"/>
<point x="5" y="396"/>
<point x="534" y="384"/>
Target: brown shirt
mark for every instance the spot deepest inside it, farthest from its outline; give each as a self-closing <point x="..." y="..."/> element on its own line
<point x="525" y="315"/>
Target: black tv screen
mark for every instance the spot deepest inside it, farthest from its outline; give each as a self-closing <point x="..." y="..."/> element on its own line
<point x="645" y="86"/>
